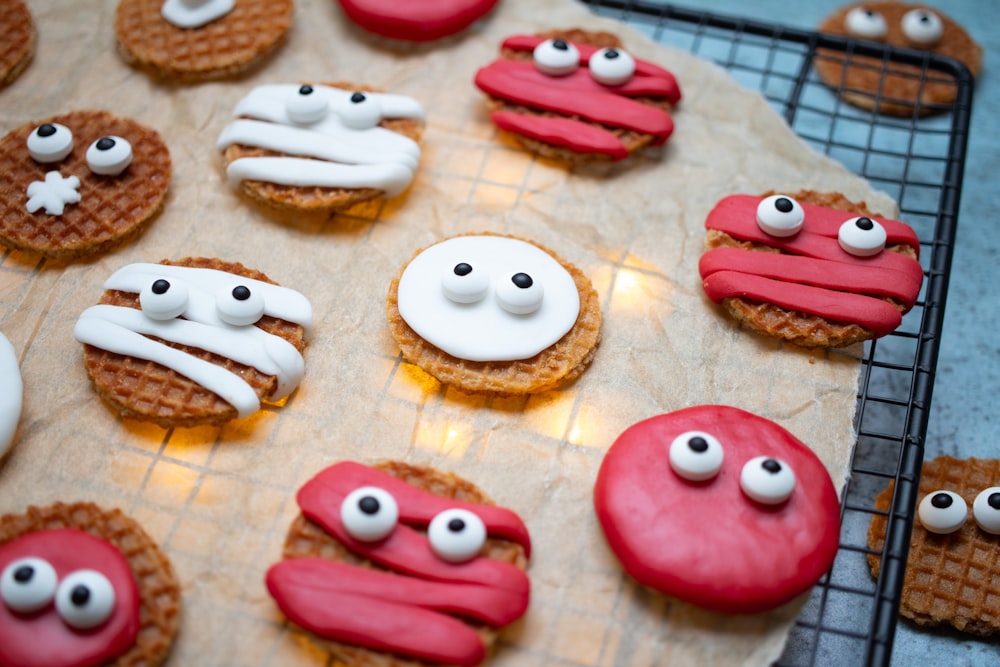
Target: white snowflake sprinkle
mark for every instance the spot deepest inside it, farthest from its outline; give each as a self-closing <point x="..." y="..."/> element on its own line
<point x="53" y="193"/>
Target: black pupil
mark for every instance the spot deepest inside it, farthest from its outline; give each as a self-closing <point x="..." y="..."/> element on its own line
<point x="160" y="286"/>
<point x="456" y="525"/>
<point x="924" y="18"/>
<point x="698" y="444"/>
<point x="369" y="505"/>
<point x="783" y="204"/>
<point x="358" y="98"/>
<point x="610" y="54"/>
<point x="23" y="574"/>
<point x="994" y="500"/>
<point x="306" y="90"/>
<point x="463" y="269"/>
<point x="865" y="224"/>
<point x="522" y="280"/>
<point x="241" y="293"/>
<point x="771" y="466"/>
<point x="46" y="130"/>
<point x="80" y="595"/>
<point x="105" y="144"/>
<point x="559" y="45"/>
<point x="941" y="500"/>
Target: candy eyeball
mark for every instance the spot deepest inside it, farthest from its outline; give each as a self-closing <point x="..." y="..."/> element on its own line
<point x="612" y="67"/>
<point x="456" y="535"/>
<point x="109" y="156"/>
<point x="862" y="237"/>
<point x="369" y="513"/>
<point x="942" y="512"/>
<point x="922" y="27"/>
<point x="27" y="585"/>
<point x="780" y="216"/>
<point x="767" y="480"/>
<point x="50" y="142"/>
<point x="556" y="57"/>
<point x="239" y="305"/>
<point x="85" y="599"/>
<point x="986" y="510"/>
<point x="696" y="456"/>
<point x="462" y="283"/>
<point x="307" y="105"/>
<point x="520" y="294"/>
<point x="163" y="299"/>
<point x="360" y="111"/>
<point x="865" y="23"/>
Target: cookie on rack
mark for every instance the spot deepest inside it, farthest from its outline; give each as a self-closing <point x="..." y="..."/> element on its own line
<point x="812" y="268"/>
<point x="198" y="40"/>
<point x="80" y="184"/>
<point x="426" y="21"/>
<point x="578" y="97"/>
<point x="17" y="40"/>
<point x="11" y="395"/>
<point x="953" y="565"/>
<point x="196" y="341"/>
<point x="494" y="314"/>
<point x="82" y="585"/>
<point x="397" y="564"/>
<point x="896" y="88"/>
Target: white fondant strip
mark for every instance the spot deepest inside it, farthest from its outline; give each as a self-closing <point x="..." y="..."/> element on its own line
<point x="392" y="178"/>
<point x="269" y="102"/>
<point x="11" y="392"/>
<point x="195" y="13"/>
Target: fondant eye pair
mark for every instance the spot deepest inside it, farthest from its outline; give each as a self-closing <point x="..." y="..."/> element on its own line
<point x="84" y="599"/>
<point x="237" y="305"/>
<point x="52" y="142"/>
<point x="310" y="105"/>
<point x="370" y="514"/>
<point x="517" y="293"/>
<point x="557" y="57"/>
<point x="920" y="26"/>
<point x="697" y="456"/>
<point x="783" y="217"/>
<point x="945" y="512"/>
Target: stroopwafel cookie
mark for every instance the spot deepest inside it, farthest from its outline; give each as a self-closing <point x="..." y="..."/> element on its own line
<point x="17" y="40"/>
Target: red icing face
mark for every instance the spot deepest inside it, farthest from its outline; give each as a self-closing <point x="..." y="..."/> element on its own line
<point x="69" y="599"/>
<point x="597" y="85"/>
<point x="436" y="576"/>
<point x="421" y="21"/>
<point x="708" y="542"/>
<point x="814" y="273"/>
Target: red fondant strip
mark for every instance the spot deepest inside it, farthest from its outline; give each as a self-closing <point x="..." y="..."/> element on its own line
<point x="565" y="132"/>
<point x="416" y="21"/>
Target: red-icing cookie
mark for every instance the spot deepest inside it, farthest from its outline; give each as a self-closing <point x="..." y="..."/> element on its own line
<point x="422" y="21"/>
<point x="718" y="507"/>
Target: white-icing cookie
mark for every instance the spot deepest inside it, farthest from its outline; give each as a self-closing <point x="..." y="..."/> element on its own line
<point x="11" y="394"/>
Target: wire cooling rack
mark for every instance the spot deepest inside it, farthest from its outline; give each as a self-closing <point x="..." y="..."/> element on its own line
<point x="918" y="160"/>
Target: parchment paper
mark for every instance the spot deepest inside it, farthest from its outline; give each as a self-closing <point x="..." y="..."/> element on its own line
<point x="219" y="500"/>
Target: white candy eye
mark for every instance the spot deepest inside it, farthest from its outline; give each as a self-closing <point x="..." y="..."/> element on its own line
<point x="862" y="237"/>
<point x="109" y="156"/>
<point x="865" y="23"/>
<point x="520" y="294"/>
<point x="163" y="300"/>
<point x="307" y="105"/>
<point x="612" y="67"/>
<point x="239" y="305"/>
<point x="696" y="456"/>
<point x="922" y="26"/>
<point x="50" y="142"/>
<point x="463" y="284"/>
<point x="942" y="512"/>
<point x="556" y="57"/>
<point x="360" y="111"/>
<point x="986" y="510"/>
<point x="767" y="480"/>
<point x="369" y="513"/>
<point x="780" y="216"/>
<point x="85" y="599"/>
<point x="456" y="535"/>
<point x="28" y="584"/>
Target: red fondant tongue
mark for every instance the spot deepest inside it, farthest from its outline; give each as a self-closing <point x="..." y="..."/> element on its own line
<point x="566" y="132"/>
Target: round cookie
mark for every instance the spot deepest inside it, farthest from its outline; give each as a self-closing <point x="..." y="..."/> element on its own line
<point x="864" y="83"/>
<point x="11" y="394"/>
<point x="17" y="40"/>
<point x="401" y="565"/>
<point x="718" y="507"/>
<point x="61" y="207"/>
<point x="425" y="21"/>
<point x="54" y="612"/>
<point x="196" y="341"/>
<point x="578" y="96"/>
<point x="808" y="288"/>
<point x="234" y="42"/>
<point x="474" y="339"/>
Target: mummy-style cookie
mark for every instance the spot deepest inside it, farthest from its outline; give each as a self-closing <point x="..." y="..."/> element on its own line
<point x="11" y="394"/>
<point x="718" y="507"/>
<point x="425" y="21"/>
<point x="199" y="341"/>
<point x="386" y="560"/>
<point x="321" y="148"/>
<point x="17" y="40"/>
<point x="578" y="97"/>
<point x="494" y="314"/>
<point x="80" y="184"/>
<point x="811" y="268"/>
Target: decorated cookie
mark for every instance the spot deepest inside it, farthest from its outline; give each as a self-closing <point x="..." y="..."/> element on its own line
<point x="401" y="560"/>
<point x="494" y="314"/>
<point x="82" y="586"/>
<point x="718" y="507"/>
<point x="198" y="341"/>
<point x="423" y="21"/>
<point x="80" y="184"/>
<point x="197" y="40"/>
<point x="815" y="269"/>
<point x="578" y="96"/>
<point x="321" y="147"/>
<point x="864" y="81"/>
<point x="17" y="40"/>
<point x="11" y="390"/>
<point x="953" y="564"/>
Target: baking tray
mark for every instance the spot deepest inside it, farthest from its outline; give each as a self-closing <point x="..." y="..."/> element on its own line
<point x="851" y="617"/>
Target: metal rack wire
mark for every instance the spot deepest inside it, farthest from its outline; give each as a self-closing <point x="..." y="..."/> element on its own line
<point x="851" y="617"/>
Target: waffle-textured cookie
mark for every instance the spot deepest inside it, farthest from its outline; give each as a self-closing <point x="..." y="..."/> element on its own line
<point x="559" y="363"/>
<point x="159" y="590"/>
<point x="144" y="389"/>
<point x="951" y="578"/>
<point x="111" y="209"/>
<point x="865" y="82"/>
<point x="17" y="40"/>
<point x="234" y="43"/>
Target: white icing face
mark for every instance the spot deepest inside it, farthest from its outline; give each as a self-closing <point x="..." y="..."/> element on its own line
<point x="195" y="13"/>
<point x="11" y="391"/>
<point x="488" y="298"/>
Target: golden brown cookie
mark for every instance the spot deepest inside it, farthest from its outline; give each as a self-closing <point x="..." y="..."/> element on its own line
<point x="17" y="40"/>
<point x="63" y="536"/>
<point x="111" y="208"/>
<point x="230" y="45"/>
<point x="865" y="84"/>
<point x="219" y="372"/>
<point x="950" y="578"/>
<point x="505" y="358"/>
